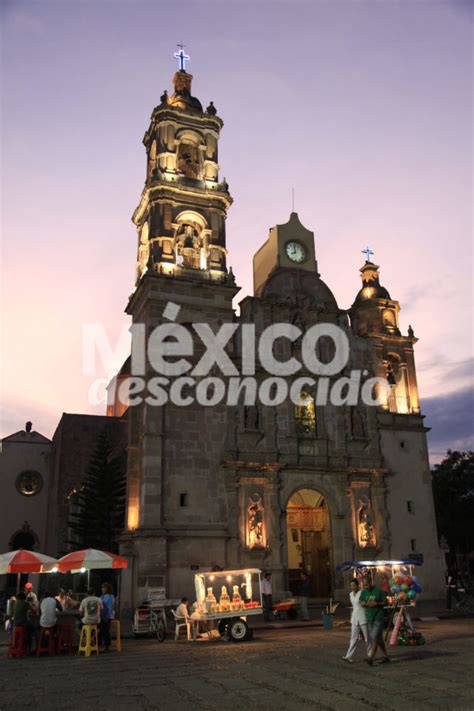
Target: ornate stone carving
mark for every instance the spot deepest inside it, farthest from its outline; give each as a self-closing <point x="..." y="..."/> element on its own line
<point x="365" y="526"/>
<point x="255" y="522"/>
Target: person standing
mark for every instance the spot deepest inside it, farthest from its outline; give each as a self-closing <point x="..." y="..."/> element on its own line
<point x="20" y="617"/>
<point x="33" y="615"/>
<point x="267" y="597"/>
<point x="304" y="590"/>
<point x="358" y="622"/>
<point x="374" y="599"/>
<point x="20" y="610"/>
<point x="107" y="614"/>
<point x="451" y="587"/>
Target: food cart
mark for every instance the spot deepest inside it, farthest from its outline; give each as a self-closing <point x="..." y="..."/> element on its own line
<point x="227" y="598"/>
<point x="403" y="588"/>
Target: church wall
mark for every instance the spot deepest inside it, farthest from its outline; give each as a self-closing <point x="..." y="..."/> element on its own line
<point x="15" y="508"/>
<point x="410" y="481"/>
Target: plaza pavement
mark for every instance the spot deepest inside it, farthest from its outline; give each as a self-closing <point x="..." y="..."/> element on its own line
<point x="299" y="668"/>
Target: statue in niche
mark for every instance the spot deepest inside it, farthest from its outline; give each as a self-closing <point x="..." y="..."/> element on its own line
<point x="357" y="423"/>
<point x="305" y="414"/>
<point x="255" y="525"/>
<point x="365" y="524"/>
<point x="251" y="418"/>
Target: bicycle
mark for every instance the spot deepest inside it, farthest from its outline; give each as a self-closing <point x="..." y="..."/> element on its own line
<point x="149" y="621"/>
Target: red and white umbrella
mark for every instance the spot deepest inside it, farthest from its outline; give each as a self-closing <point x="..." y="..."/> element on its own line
<point x="22" y="561"/>
<point x="90" y="559"/>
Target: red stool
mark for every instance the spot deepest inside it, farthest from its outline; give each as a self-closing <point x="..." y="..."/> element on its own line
<point x="49" y="649"/>
<point x="64" y="639"/>
<point x="18" y="643"/>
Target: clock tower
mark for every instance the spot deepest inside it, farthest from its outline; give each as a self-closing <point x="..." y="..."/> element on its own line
<point x="289" y="245"/>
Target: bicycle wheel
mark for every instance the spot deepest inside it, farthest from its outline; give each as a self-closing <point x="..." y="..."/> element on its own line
<point x="160" y="632"/>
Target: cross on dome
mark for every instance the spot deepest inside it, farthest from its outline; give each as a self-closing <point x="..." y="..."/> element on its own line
<point x="182" y="57"/>
<point x="368" y="252"/>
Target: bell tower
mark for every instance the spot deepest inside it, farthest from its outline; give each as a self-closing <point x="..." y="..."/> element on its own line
<point x="374" y="315"/>
<point x="181" y="216"/>
<point x="175" y="486"/>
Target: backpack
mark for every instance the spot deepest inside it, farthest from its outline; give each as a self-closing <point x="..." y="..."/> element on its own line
<point x="92" y="608"/>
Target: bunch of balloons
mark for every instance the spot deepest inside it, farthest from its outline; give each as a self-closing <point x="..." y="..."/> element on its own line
<point x="405" y="587"/>
<point x="410" y="638"/>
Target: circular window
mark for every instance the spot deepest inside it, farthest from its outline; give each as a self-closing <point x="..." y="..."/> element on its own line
<point x="29" y="483"/>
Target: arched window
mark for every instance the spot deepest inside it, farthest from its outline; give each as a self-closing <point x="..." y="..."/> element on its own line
<point x="188" y="160"/>
<point x="305" y="415"/>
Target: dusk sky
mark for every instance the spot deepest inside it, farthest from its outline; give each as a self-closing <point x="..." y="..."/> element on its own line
<point x="365" y="108"/>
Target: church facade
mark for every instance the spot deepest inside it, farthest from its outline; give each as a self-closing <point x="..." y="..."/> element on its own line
<point x="303" y="484"/>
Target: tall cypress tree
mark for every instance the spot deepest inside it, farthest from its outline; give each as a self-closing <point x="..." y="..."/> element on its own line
<point x="99" y="506"/>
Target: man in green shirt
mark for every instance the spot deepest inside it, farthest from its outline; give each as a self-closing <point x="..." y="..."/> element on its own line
<point x="373" y="600"/>
<point x="20" y="611"/>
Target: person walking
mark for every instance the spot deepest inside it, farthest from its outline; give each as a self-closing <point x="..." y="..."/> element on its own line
<point x="374" y="599"/>
<point x="358" y="622"/>
<point x="267" y="597"/>
<point x="451" y="587"/>
<point x="107" y="614"/>
<point x="304" y="590"/>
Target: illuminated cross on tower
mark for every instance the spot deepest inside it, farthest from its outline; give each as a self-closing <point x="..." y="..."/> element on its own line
<point x="182" y="57"/>
<point x="368" y="252"/>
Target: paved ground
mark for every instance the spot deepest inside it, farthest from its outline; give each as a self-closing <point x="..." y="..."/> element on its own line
<point x="280" y="669"/>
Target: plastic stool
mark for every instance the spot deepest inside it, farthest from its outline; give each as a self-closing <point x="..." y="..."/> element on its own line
<point x="46" y="649"/>
<point x="89" y="640"/>
<point x="116" y="641"/>
<point x="64" y="639"/>
<point x="18" y="643"/>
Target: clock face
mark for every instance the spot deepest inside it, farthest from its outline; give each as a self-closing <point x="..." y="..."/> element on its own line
<point x="29" y="483"/>
<point x="296" y="252"/>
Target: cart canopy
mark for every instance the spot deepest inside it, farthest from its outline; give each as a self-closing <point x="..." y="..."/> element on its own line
<point x="349" y="564"/>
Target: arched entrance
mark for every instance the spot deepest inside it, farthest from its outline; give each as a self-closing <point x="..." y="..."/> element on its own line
<point x="308" y="539"/>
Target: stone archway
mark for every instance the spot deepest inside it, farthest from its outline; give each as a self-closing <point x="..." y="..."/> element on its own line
<point x="308" y="532"/>
<point x="24" y="538"/>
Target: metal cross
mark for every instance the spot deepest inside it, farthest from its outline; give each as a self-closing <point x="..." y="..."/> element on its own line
<point x="182" y="57"/>
<point x="368" y="252"/>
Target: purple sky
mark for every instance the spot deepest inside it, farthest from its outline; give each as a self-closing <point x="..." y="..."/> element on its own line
<point x="363" y="107"/>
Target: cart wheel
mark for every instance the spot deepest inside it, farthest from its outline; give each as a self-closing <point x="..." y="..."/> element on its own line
<point x="222" y="627"/>
<point x="238" y="630"/>
<point x="160" y="633"/>
<point x="291" y="614"/>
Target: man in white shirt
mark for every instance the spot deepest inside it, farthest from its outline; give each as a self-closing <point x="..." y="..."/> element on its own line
<point x="90" y="608"/>
<point x="49" y="608"/>
<point x="182" y="609"/>
<point x="182" y="613"/>
<point x="267" y="597"/>
<point x="358" y="622"/>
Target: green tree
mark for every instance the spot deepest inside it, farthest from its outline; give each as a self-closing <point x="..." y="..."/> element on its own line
<point x="98" y="515"/>
<point x="453" y="491"/>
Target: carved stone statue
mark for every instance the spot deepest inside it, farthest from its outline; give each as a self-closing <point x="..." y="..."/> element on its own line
<point x="251" y="418"/>
<point x="357" y="423"/>
<point x="365" y="525"/>
<point x="255" y="523"/>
